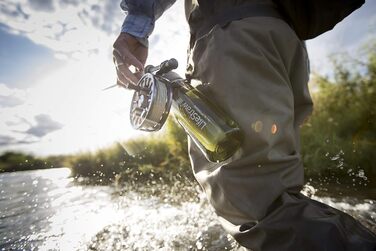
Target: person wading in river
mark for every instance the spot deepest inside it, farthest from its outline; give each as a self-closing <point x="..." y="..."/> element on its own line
<point x="260" y="79"/>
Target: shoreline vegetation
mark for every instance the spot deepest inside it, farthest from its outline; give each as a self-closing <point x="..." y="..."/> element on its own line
<point x="338" y="140"/>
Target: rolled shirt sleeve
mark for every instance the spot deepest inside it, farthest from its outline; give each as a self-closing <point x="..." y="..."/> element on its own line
<point x="141" y="15"/>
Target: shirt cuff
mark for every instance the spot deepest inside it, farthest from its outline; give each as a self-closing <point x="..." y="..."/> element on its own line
<point x="139" y="26"/>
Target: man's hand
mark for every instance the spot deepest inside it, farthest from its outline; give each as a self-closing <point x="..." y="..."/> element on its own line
<point x="128" y="51"/>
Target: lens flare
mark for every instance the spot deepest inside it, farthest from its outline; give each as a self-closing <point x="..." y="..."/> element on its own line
<point x="274" y="129"/>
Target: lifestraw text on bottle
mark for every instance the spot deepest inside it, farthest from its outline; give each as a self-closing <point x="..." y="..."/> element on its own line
<point x="192" y="114"/>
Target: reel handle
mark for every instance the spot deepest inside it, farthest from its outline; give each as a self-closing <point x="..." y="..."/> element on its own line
<point x="163" y="68"/>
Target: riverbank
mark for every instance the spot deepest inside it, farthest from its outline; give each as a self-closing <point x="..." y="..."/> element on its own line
<point x="18" y="161"/>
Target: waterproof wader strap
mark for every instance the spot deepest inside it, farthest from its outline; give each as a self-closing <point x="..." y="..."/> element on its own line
<point x="235" y="13"/>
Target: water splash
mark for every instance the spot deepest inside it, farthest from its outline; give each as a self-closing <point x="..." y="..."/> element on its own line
<point x="154" y="225"/>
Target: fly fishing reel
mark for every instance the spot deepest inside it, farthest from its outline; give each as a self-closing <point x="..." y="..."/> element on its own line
<point x="151" y="102"/>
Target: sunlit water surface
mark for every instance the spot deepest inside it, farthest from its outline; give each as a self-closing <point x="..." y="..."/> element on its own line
<point x="48" y="210"/>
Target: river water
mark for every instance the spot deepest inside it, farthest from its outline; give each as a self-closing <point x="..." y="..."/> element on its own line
<point x="49" y="210"/>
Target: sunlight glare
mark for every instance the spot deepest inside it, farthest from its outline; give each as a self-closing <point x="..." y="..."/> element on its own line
<point x="73" y="96"/>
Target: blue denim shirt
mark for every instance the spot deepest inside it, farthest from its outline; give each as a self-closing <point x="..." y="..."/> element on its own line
<point x="142" y="14"/>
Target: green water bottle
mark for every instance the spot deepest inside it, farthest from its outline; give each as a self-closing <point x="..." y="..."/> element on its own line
<point x="217" y="135"/>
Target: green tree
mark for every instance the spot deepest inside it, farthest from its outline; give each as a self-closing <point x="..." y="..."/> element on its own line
<point x="339" y="140"/>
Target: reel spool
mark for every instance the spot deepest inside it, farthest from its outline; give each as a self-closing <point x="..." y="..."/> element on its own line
<point x="150" y="104"/>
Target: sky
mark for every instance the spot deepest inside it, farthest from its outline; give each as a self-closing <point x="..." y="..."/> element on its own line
<point x="55" y="59"/>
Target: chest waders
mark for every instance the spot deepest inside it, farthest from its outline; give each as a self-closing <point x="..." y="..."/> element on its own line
<point x="256" y="69"/>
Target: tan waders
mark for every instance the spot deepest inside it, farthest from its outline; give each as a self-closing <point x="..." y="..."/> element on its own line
<point x="256" y="69"/>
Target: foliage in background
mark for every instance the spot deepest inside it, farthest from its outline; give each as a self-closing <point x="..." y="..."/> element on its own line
<point x="339" y="140"/>
<point x="161" y="156"/>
